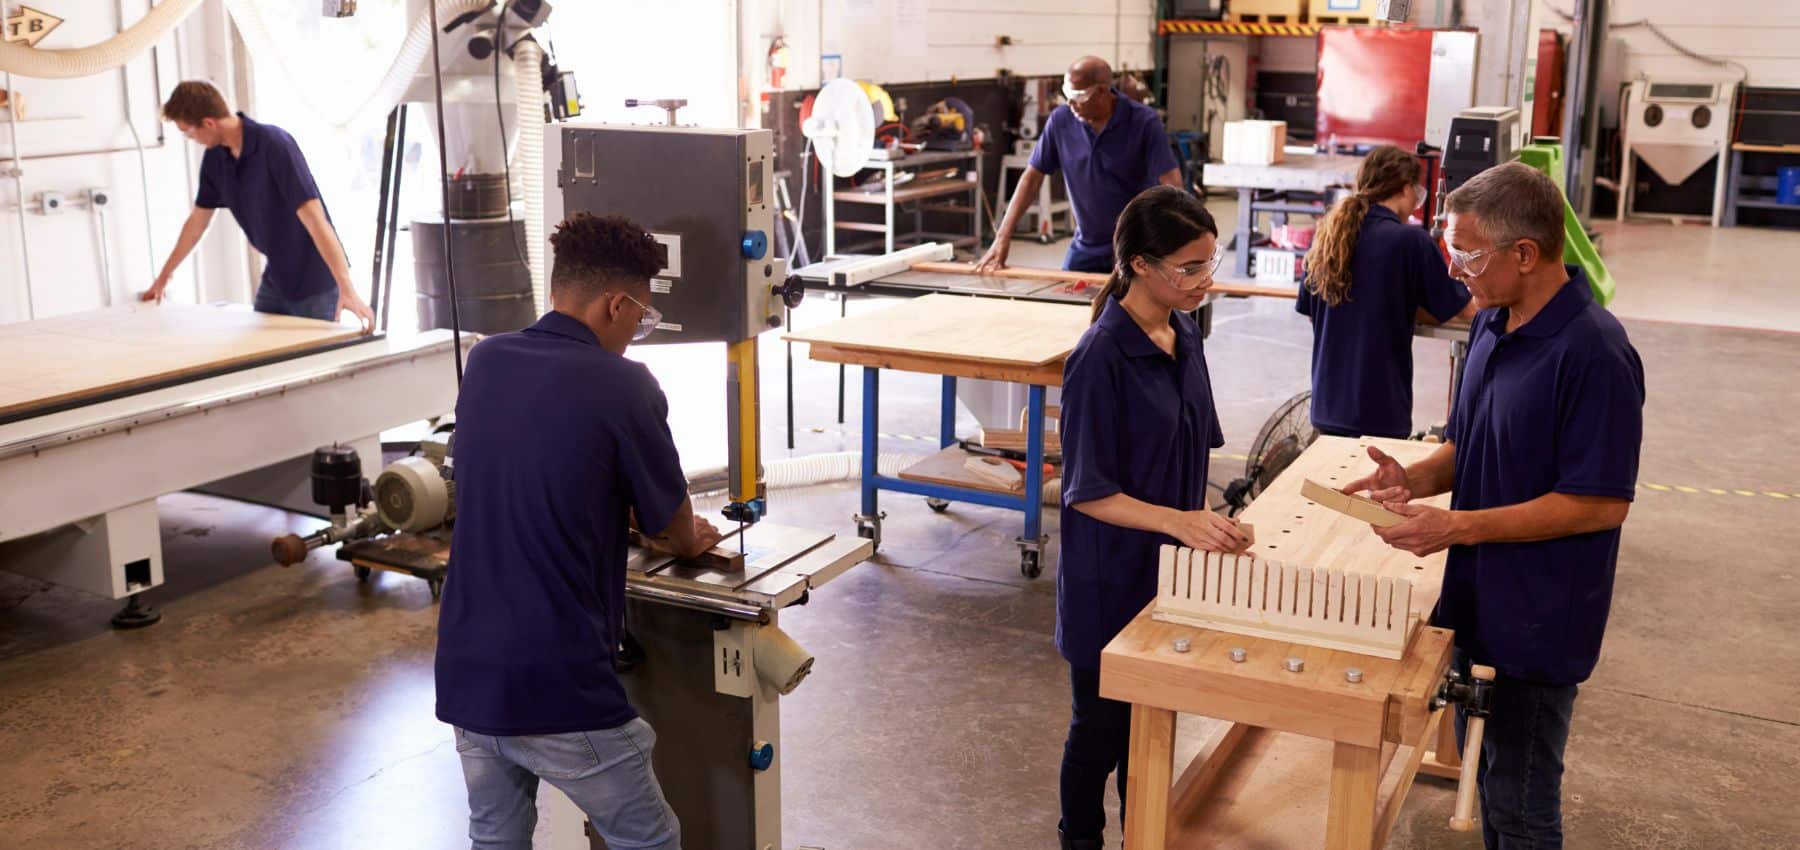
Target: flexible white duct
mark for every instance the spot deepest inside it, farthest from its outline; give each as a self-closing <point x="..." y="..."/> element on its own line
<point x="393" y="85"/>
<point x="97" y="58"/>
<point x="528" y="161"/>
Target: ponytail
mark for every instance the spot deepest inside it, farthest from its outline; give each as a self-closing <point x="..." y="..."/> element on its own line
<point x="1328" y="261"/>
<point x="1384" y="173"/>
<point x="1117" y="284"/>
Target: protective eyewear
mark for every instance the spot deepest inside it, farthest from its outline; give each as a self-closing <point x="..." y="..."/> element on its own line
<point x="1473" y="263"/>
<point x="1193" y="275"/>
<point x="1073" y="94"/>
<point x="647" y="323"/>
<point x="1419" y="204"/>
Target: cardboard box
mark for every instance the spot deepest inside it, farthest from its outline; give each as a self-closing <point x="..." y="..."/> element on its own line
<point x="1254" y="142"/>
<point x="1341" y="11"/>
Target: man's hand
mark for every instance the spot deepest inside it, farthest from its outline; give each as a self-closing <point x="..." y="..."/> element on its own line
<point x="995" y="258"/>
<point x="156" y="291"/>
<point x="1210" y="531"/>
<point x="1386" y="484"/>
<point x="1427" y="530"/>
<point x="705" y="537"/>
<point x="349" y="300"/>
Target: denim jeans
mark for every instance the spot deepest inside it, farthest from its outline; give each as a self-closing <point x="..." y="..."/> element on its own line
<point x="1099" y="739"/>
<point x="1520" y="775"/>
<point x="320" y="306"/>
<point x="605" y="772"/>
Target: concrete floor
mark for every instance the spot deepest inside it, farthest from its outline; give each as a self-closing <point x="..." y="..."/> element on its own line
<point x="293" y="708"/>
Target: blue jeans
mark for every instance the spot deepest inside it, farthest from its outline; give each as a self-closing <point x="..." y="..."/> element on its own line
<point x="320" y="306"/>
<point x="1099" y="740"/>
<point x="1520" y="775"/>
<point x="605" y="772"/>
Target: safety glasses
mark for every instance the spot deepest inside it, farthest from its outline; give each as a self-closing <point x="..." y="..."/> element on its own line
<point x="1419" y="189"/>
<point x="1192" y="276"/>
<point x="1473" y="263"/>
<point x="647" y="323"/>
<point x="1074" y="94"/>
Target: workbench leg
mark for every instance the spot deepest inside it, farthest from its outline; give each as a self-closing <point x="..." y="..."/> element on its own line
<point x="1034" y="464"/>
<point x="1355" y="782"/>
<point x="843" y="310"/>
<point x="1735" y="188"/>
<point x="947" y="414"/>
<point x="1152" y="763"/>
<point x="868" y="523"/>
<point x="1246" y="229"/>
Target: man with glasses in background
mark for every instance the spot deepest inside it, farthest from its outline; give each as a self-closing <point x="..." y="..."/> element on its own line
<point x="1540" y="458"/>
<point x="1108" y="148"/>
<point x="561" y="444"/>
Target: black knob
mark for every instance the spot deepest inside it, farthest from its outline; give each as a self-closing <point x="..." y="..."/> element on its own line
<point x="792" y="292"/>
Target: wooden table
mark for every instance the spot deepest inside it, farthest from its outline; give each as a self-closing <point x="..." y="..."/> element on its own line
<point x="1303" y="759"/>
<point x="956" y="337"/>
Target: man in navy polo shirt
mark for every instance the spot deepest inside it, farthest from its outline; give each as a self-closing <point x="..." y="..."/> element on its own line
<point x="257" y="171"/>
<point x="560" y="443"/>
<point x="1541" y="460"/>
<point x="1108" y="148"/>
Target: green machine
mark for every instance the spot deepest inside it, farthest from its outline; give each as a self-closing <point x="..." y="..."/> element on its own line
<point x="1578" y="249"/>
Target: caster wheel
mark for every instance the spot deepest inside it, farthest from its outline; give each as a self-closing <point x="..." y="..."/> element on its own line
<point x="937" y="505"/>
<point x="436" y="586"/>
<point x="363" y="573"/>
<point x="1045" y="239"/>
<point x="1029" y="565"/>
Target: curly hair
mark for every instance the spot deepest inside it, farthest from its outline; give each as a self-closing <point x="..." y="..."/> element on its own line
<point x="598" y="252"/>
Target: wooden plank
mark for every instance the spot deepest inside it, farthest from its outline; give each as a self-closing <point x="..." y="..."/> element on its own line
<point x="1094" y="280"/>
<point x="909" y="192"/>
<point x="1049" y="375"/>
<point x="1352" y="505"/>
<point x="1152" y="759"/>
<point x="1421" y="671"/>
<point x="1746" y="146"/>
<point x="1395" y="784"/>
<point x="1012" y="439"/>
<point x="1271" y="794"/>
<point x="1208" y="765"/>
<point x="1020" y="334"/>
<point x="64" y="359"/>
<point x="1355" y="782"/>
<point x="948" y="467"/>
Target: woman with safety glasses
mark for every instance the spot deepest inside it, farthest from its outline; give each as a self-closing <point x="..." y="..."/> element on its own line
<point x="1369" y="276"/>
<point x="1137" y="425"/>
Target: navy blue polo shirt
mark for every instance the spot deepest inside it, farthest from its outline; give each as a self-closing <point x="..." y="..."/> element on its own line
<point x="1556" y="406"/>
<point x="1103" y="170"/>
<point x="1134" y="421"/>
<point x="264" y="186"/>
<point x="556" y="440"/>
<point x="1362" y="364"/>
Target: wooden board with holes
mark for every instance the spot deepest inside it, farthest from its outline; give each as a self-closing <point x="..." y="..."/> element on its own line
<point x="949" y="467"/>
<point x="1315" y="576"/>
<point x="1011" y="334"/>
<point x="55" y="362"/>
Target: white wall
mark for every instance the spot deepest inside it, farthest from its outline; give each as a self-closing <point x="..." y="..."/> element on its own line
<point x="897" y="41"/>
<point x="1762" y="35"/>
<point x="74" y="138"/>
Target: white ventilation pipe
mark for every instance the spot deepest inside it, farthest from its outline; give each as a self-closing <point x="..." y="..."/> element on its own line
<point x="528" y="160"/>
<point x="97" y="58"/>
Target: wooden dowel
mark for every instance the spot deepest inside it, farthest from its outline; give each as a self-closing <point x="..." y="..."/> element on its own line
<point x="1463" y="819"/>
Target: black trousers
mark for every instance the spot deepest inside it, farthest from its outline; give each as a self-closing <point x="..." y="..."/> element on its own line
<point x="1099" y="739"/>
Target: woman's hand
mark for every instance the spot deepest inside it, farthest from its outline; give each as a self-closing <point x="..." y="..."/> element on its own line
<point x="1209" y="531"/>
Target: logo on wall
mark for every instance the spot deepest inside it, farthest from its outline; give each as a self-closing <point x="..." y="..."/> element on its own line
<point x="30" y="26"/>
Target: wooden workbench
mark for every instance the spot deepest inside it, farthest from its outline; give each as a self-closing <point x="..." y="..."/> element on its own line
<point x="1305" y="758"/>
<point x="955" y="337"/>
<point x="53" y="363"/>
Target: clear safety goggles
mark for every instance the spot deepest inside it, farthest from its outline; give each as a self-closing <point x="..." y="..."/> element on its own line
<point x="1073" y="94"/>
<point x="1192" y="276"/>
<point x="1419" y="204"/>
<point x="1473" y="263"/>
<point x="647" y="323"/>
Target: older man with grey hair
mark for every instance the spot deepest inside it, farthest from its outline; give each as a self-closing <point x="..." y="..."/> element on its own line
<point x="1540" y="459"/>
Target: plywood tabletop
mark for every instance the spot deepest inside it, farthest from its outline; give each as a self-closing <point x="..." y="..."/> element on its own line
<point x="54" y="361"/>
<point x="1006" y="333"/>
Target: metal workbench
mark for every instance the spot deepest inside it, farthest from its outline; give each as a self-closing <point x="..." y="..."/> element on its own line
<point x="1299" y="185"/>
